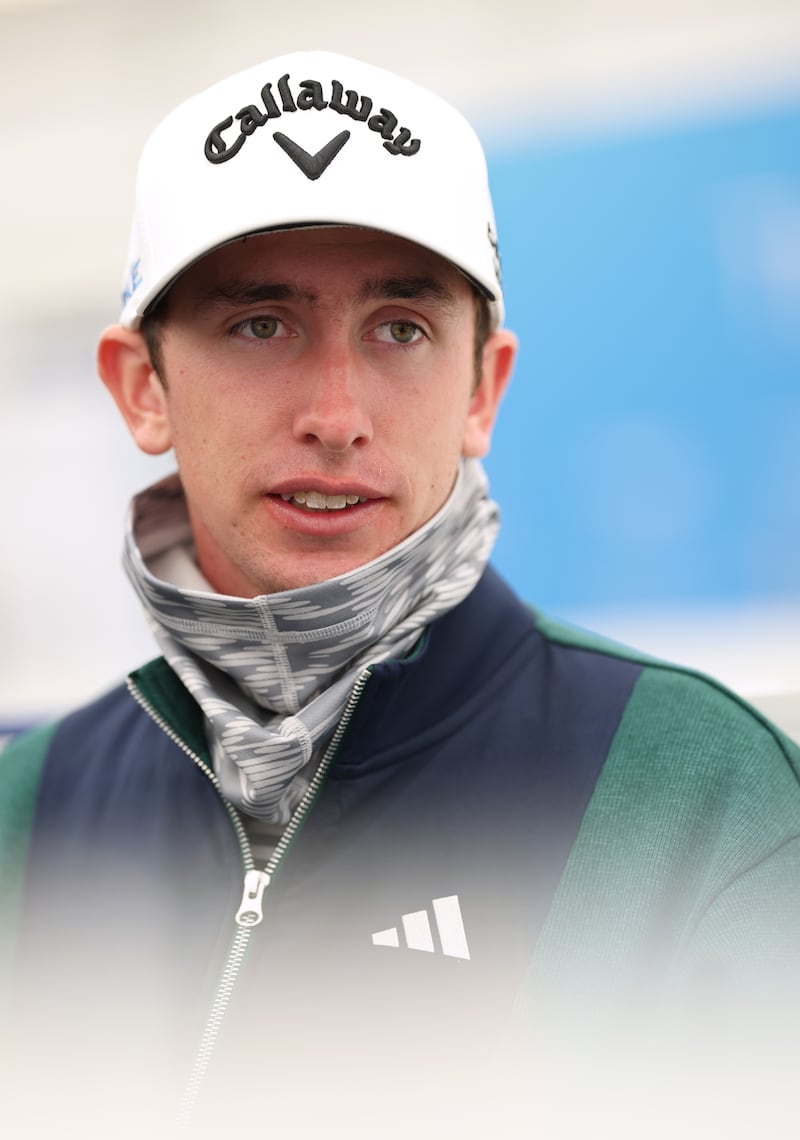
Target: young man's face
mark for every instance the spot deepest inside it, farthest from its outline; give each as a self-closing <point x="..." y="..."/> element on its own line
<point x="319" y="388"/>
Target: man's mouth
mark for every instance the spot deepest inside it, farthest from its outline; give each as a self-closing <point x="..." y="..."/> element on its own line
<point x="315" y="501"/>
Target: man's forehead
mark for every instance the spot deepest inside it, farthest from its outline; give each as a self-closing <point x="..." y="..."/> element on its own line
<point x="287" y="265"/>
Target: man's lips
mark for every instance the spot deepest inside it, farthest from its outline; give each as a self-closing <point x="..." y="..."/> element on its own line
<point x="322" y="506"/>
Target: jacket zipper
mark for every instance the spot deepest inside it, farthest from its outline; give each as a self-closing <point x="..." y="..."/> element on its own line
<point x="250" y="912"/>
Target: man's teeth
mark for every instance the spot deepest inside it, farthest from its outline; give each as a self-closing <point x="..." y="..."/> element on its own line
<point x="318" y="502"/>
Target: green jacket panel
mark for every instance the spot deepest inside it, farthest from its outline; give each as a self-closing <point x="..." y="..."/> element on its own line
<point x="695" y="816"/>
<point x="20" y="772"/>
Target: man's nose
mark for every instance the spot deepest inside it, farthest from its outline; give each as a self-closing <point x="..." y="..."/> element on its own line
<point x="332" y="410"/>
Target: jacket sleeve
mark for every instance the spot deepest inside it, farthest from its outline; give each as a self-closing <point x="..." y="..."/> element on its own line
<point x="21" y="766"/>
<point x="688" y="857"/>
<point x="669" y="965"/>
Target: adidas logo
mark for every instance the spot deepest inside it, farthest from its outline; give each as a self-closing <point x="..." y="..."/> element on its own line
<point x="419" y="935"/>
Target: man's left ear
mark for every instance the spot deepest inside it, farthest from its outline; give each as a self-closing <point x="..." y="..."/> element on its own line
<point x="499" y="354"/>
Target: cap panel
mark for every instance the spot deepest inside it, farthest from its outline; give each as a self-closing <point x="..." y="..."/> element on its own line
<point x="309" y="138"/>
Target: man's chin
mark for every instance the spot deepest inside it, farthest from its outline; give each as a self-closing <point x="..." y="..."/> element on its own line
<point x="301" y="572"/>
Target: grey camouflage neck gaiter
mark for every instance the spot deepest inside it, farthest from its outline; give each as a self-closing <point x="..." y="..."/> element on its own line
<point x="272" y="674"/>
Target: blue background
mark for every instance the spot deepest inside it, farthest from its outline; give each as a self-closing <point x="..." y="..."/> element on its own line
<point x="649" y="448"/>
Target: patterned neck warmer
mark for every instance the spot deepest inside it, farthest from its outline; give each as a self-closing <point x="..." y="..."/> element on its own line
<point x="272" y="674"/>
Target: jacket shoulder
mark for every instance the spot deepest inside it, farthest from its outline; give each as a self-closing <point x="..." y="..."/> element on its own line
<point x="709" y="719"/>
<point x="677" y="708"/>
<point x="573" y="637"/>
<point x="23" y="763"/>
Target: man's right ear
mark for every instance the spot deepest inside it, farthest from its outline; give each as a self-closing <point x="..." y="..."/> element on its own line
<point x="125" y="368"/>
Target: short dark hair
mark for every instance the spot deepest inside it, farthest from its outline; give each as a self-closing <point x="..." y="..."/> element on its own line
<point x="152" y="329"/>
<point x="154" y="321"/>
<point x="483" y="328"/>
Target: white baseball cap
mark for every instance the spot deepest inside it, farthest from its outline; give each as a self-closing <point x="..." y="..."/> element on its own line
<point x="310" y="138"/>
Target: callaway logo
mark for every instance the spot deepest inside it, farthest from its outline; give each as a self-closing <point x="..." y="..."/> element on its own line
<point x="308" y="95"/>
<point x="312" y="165"/>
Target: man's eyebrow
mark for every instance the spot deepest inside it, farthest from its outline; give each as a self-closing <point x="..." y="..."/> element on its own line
<point x="230" y="294"/>
<point x="408" y="289"/>
<point x="233" y="293"/>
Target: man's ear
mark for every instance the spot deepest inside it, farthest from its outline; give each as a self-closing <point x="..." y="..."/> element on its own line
<point x="499" y="354"/>
<point x="125" y="368"/>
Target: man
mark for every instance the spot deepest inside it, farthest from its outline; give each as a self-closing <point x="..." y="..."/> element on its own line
<point x="369" y="825"/>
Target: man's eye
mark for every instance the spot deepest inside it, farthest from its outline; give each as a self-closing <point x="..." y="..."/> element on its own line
<point x="398" y="332"/>
<point x="261" y="328"/>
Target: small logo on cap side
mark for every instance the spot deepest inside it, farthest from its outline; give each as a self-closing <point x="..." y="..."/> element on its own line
<point x="312" y="165"/>
<point x="132" y="281"/>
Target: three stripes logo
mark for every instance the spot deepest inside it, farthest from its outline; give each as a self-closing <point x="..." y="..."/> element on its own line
<point x="418" y="933"/>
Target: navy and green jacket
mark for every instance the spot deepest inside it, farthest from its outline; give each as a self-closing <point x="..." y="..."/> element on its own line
<point x="599" y="817"/>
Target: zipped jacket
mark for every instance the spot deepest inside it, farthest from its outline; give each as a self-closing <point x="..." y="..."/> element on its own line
<point x="515" y="812"/>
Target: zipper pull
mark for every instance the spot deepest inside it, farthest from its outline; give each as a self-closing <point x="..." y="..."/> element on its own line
<point x="249" y="912"/>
